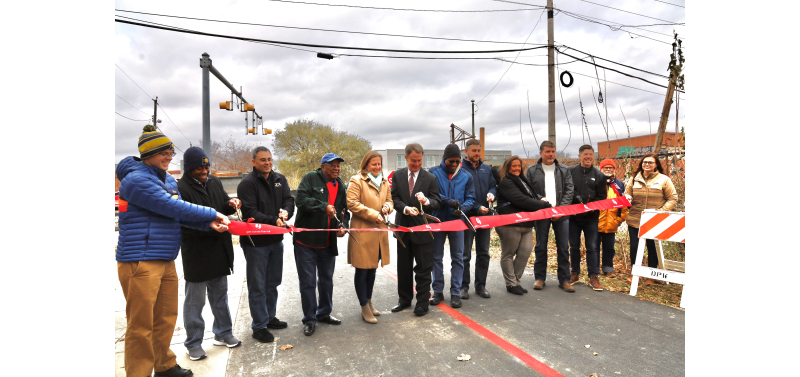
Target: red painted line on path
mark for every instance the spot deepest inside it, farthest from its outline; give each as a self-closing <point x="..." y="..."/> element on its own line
<point x="492" y="337"/>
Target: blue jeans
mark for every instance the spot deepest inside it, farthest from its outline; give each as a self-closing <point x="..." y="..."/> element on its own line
<point x="561" y="230"/>
<point x="589" y="229"/>
<point x="264" y="275"/>
<point x="315" y="272"/>
<point x="482" y="238"/>
<point x="193" y="310"/>
<point x="456" y="263"/>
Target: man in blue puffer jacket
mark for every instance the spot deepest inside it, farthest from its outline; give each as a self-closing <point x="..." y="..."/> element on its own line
<point x="150" y="217"/>
<point x="455" y="188"/>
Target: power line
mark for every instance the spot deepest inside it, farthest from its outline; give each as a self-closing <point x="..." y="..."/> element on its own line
<point x="612" y="27"/>
<point x="515" y="59"/>
<point x="135" y="120"/>
<point x="638" y="14"/>
<point x="123" y="100"/>
<point x="614" y="70"/>
<point x="314" y="29"/>
<point x="671" y="4"/>
<point x="173" y="123"/>
<point x="171" y="28"/>
<point x="134" y="82"/>
<point x="611" y="61"/>
<point x="403" y="9"/>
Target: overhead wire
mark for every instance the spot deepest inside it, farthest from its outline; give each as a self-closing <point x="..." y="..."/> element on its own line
<point x="134" y="82"/>
<point x="671" y="4"/>
<point x="316" y="29"/>
<point x="123" y="100"/>
<point x="515" y="59"/>
<point x="181" y="30"/>
<point x="638" y="14"/>
<point x="569" y="126"/>
<point x="403" y="9"/>
<point x="135" y="120"/>
<point x="173" y="123"/>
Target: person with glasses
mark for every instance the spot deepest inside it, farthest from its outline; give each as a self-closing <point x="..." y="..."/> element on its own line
<point x="267" y="199"/>
<point x="207" y="258"/>
<point x="321" y="204"/>
<point x="151" y="213"/>
<point x="649" y="188"/>
<point x="456" y="189"/>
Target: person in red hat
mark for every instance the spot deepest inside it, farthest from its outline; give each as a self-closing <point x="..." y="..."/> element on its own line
<point x="610" y="219"/>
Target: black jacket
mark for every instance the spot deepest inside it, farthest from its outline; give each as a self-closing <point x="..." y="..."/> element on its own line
<point x="205" y="254"/>
<point x="590" y="186"/>
<point x="515" y="196"/>
<point x="262" y="199"/>
<point x="564" y="190"/>
<point x="312" y="201"/>
<point x="426" y="184"/>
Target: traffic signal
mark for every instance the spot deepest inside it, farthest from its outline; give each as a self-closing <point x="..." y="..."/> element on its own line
<point x="248" y="107"/>
<point x="267" y="131"/>
<point x="251" y="130"/>
<point x="225" y="105"/>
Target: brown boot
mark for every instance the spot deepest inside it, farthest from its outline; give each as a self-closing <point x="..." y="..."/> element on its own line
<point x="594" y="281"/>
<point x="538" y="285"/>
<point x="567" y="287"/>
<point x="372" y="308"/>
<point x="366" y="313"/>
<point x="574" y="279"/>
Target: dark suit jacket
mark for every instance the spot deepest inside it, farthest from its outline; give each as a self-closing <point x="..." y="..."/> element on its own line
<point x="427" y="185"/>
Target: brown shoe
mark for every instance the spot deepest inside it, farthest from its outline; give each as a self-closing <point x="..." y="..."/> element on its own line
<point x="574" y="279"/>
<point x="567" y="287"/>
<point x="594" y="281"/>
<point x="538" y="285"/>
<point x="366" y="313"/>
<point x="372" y="308"/>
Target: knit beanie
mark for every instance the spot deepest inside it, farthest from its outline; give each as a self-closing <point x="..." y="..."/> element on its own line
<point x="152" y="142"/>
<point x="194" y="158"/>
<point x="608" y="161"/>
<point x="450" y="151"/>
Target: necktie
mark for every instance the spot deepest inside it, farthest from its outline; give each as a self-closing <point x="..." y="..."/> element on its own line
<point x="410" y="184"/>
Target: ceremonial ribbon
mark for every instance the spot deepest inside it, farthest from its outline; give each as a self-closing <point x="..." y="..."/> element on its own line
<point x="239" y="228"/>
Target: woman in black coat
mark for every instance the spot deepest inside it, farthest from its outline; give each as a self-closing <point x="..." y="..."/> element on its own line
<point x="516" y="240"/>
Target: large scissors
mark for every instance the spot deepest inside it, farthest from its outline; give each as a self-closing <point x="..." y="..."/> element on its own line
<point x="392" y="225"/>
<point x="341" y="225"/>
<point x="239" y="215"/>
<point x="460" y="213"/>
<point x="425" y="217"/>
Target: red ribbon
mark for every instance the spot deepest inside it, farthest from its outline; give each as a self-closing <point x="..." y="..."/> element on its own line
<point x="239" y="228"/>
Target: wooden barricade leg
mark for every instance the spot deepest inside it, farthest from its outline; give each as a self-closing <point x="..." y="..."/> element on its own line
<point x="637" y="262"/>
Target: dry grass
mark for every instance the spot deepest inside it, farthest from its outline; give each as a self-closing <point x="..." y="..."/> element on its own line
<point x="620" y="280"/>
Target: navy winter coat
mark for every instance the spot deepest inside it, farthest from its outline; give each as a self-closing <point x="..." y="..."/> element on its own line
<point x="460" y="188"/>
<point x="150" y="226"/>
<point x="484" y="183"/>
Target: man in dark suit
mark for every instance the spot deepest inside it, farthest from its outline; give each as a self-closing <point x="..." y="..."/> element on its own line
<point x="413" y="187"/>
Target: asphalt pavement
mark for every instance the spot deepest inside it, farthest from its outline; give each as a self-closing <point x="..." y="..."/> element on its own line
<point x="548" y="332"/>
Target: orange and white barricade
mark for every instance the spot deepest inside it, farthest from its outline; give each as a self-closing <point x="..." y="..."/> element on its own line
<point x="660" y="226"/>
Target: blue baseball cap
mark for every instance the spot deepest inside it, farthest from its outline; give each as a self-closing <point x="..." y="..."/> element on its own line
<point x="331" y="157"/>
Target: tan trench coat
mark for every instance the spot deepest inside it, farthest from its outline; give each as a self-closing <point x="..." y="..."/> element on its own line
<point x="365" y="201"/>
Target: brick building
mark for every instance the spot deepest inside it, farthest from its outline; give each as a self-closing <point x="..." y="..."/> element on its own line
<point x="637" y="146"/>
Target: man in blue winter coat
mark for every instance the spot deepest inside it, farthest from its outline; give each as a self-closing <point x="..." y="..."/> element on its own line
<point x="151" y="214"/>
<point x="455" y="189"/>
<point x="485" y="192"/>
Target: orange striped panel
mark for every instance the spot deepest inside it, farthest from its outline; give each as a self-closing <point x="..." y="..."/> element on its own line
<point x="650" y="224"/>
<point x="672" y="230"/>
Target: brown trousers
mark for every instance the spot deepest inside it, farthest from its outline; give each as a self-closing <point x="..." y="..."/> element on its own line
<point x="151" y="295"/>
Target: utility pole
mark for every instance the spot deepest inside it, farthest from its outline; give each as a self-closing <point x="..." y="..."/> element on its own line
<point x="155" y="112"/>
<point x="473" y="118"/>
<point x="205" y="63"/>
<point x="551" y="77"/>
<point x="662" y="123"/>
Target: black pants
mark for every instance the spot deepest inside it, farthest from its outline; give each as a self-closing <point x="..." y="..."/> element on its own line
<point x="607" y="249"/>
<point x="652" y="257"/>
<point x="422" y="254"/>
<point x="482" y="238"/>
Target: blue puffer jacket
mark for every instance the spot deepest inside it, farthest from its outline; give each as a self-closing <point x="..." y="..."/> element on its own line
<point x="460" y="188"/>
<point x="150" y="226"/>
<point x="484" y="184"/>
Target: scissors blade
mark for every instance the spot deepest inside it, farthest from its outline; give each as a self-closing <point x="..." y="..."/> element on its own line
<point x="394" y="233"/>
<point x="239" y="215"/>
<point x="341" y="226"/>
<point x="423" y="218"/>
<point x="469" y="223"/>
<point x="434" y="218"/>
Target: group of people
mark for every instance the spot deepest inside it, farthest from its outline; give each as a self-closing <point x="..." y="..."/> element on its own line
<point x="158" y="216"/>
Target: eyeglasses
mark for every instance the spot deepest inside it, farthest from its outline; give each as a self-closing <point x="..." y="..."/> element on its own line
<point x="167" y="154"/>
<point x="332" y="166"/>
<point x="452" y="162"/>
<point x="648" y="162"/>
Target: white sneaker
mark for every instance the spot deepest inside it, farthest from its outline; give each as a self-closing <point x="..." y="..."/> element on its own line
<point x="196" y="354"/>
<point x="230" y="342"/>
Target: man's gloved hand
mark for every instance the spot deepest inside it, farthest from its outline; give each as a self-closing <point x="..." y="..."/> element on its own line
<point x="453" y="203"/>
<point x="456" y="213"/>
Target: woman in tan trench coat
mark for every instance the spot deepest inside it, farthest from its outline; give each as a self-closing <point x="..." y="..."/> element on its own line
<point x="369" y="198"/>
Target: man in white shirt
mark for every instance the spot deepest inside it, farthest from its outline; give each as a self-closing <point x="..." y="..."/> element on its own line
<point x="551" y="181"/>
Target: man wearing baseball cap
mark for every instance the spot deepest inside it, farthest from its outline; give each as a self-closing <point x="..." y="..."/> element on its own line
<point x="321" y="204"/>
<point x="151" y="214"/>
<point x="610" y="219"/>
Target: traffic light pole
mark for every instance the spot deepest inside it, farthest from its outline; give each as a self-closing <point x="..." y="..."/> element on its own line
<point x="205" y="63"/>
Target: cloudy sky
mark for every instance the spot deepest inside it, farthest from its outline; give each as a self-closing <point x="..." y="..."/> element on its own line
<point x="392" y="102"/>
